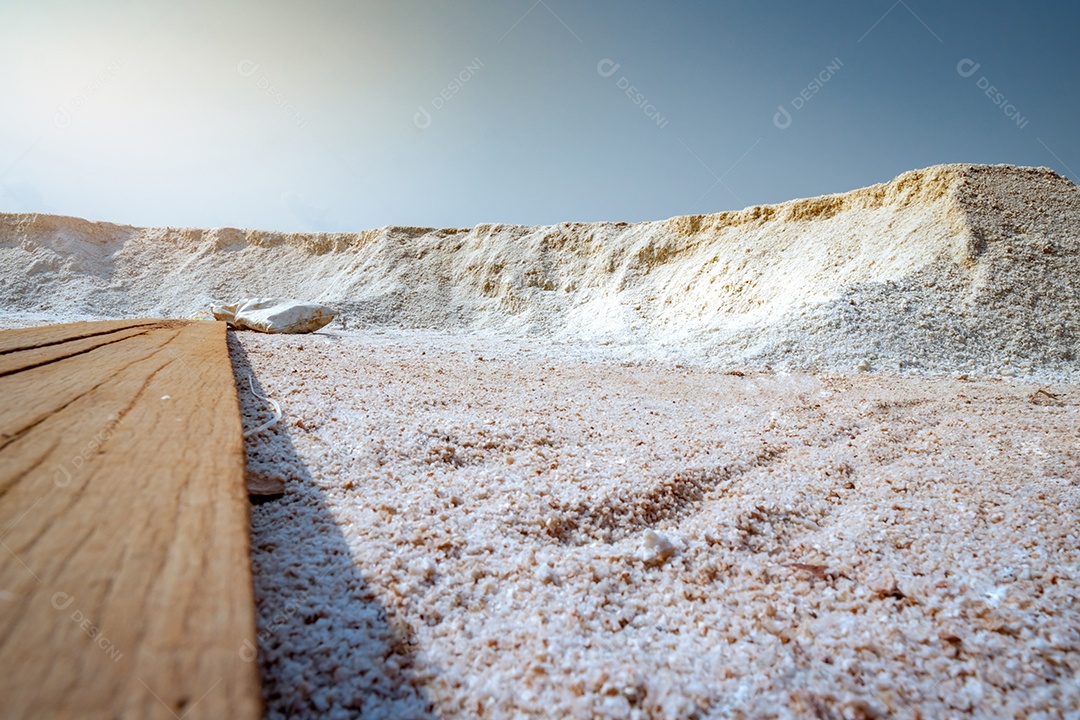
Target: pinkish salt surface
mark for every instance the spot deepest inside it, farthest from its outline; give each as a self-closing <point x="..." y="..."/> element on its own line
<point x="481" y="528"/>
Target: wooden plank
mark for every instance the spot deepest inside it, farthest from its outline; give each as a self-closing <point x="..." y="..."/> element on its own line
<point x="43" y="335"/>
<point x="26" y="405"/>
<point x="21" y="360"/>
<point x="125" y="581"/>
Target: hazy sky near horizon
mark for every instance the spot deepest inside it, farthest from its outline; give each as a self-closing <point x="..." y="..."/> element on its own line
<point x="334" y="115"/>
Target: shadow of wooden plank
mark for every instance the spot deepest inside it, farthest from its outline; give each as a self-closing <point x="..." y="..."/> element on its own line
<point x="325" y="640"/>
<point x="125" y="583"/>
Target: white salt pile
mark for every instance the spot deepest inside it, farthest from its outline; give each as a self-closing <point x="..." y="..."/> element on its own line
<point x="956" y="268"/>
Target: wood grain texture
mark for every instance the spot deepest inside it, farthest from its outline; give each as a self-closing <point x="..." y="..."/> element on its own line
<point x="125" y="580"/>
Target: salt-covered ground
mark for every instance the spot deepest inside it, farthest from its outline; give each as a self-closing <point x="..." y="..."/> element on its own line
<point x="487" y="528"/>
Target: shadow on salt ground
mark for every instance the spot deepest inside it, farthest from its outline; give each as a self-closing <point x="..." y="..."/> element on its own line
<point x="310" y="595"/>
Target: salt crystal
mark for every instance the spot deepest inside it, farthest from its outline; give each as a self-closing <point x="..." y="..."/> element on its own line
<point x="655" y="549"/>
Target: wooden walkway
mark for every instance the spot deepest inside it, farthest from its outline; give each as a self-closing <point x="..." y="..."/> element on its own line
<point x="125" y="578"/>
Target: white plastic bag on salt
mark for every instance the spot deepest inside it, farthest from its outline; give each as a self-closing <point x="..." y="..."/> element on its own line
<point x="272" y="315"/>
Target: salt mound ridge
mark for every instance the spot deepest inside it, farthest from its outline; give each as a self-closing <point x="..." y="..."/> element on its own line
<point x="954" y="268"/>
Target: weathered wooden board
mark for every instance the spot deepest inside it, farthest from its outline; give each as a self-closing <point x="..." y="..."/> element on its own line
<point x="125" y="579"/>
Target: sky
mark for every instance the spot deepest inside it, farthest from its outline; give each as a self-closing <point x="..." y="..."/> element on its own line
<point x="330" y="115"/>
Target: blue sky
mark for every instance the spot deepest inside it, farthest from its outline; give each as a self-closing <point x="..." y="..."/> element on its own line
<point x="351" y="115"/>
